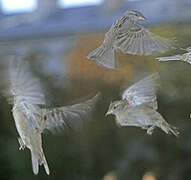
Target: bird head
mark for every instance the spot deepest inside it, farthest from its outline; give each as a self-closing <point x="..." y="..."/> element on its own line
<point x="115" y="107"/>
<point x="135" y="15"/>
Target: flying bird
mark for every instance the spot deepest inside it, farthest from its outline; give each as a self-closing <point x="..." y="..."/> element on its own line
<point x="130" y="38"/>
<point x="138" y="107"/>
<point x="186" y="57"/>
<point x="25" y="93"/>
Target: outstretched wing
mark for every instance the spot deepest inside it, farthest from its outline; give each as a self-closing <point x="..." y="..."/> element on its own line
<point x="23" y="90"/>
<point x="135" y="39"/>
<point x="72" y="117"/>
<point x="142" y="92"/>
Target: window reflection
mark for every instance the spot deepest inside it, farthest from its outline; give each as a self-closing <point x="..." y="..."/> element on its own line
<point x="10" y="6"/>
<point x="78" y="3"/>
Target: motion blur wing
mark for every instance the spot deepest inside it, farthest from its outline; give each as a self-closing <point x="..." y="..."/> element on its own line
<point x="135" y="39"/>
<point x="72" y="117"/>
<point x="142" y="92"/>
<point x="23" y="90"/>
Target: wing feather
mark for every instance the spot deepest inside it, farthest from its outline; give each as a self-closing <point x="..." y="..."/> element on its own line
<point x="72" y="116"/>
<point x="22" y="85"/>
<point x="142" y="92"/>
<point x="135" y="39"/>
<point x="23" y="90"/>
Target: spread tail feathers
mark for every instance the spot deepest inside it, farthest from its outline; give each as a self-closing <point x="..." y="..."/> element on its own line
<point x="38" y="158"/>
<point x="169" y="129"/>
<point x="104" y="57"/>
<point x="170" y="58"/>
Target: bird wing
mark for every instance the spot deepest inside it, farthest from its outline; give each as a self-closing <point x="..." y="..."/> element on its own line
<point x="23" y="90"/>
<point x="72" y="117"/>
<point x="142" y="92"/>
<point x="135" y="39"/>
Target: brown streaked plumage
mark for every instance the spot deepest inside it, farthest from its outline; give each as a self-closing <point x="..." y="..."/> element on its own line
<point x="104" y="55"/>
<point x="132" y="38"/>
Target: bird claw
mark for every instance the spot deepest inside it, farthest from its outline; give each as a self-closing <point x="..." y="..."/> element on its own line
<point x="22" y="145"/>
<point x="150" y="130"/>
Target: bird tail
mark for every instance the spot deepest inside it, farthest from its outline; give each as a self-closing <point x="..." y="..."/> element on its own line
<point x="170" y="58"/>
<point x="169" y="129"/>
<point x="104" y="57"/>
<point x="38" y="158"/>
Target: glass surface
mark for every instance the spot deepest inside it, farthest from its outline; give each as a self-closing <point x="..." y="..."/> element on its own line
<point x="78" y="3"/>
<point x="100" y="150"/>
<point x="10" y="6"/>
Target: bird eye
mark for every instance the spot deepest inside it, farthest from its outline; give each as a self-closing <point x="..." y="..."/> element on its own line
<point x="114" y="107"/>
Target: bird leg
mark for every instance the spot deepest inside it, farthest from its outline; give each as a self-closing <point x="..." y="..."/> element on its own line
<point x="150" y="130"/>
<point x="22" y="145"/>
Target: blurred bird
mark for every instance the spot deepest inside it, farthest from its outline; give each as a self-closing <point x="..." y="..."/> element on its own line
<point x="25" y="93"/>
<point x="132" y="39"/>
<point x="186" y="57"/>
<point x="138" y="107"/>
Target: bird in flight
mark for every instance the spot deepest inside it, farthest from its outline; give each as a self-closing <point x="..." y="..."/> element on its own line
<point x="130" y="38"/>
<point x="138" y="107"/>
<point x="25" y="93"/>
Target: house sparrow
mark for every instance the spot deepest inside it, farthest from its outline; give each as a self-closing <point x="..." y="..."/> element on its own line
<point x="132" y="39"/>
<point x="186" y="57"/>
<point x="138" y="107"/>
<point x="25" y="93"/>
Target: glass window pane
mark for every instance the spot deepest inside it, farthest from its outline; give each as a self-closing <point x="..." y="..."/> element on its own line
<point x="15" y="6"/>
<point x="77" y="3"/>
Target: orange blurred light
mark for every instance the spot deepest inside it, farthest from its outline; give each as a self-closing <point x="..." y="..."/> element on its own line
<point x="149" y="176"/>
<point x="110" y="176"/>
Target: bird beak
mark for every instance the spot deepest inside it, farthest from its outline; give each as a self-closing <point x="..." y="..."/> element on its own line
<point x="142" y="18"/>
<point x="109" y="112"/>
